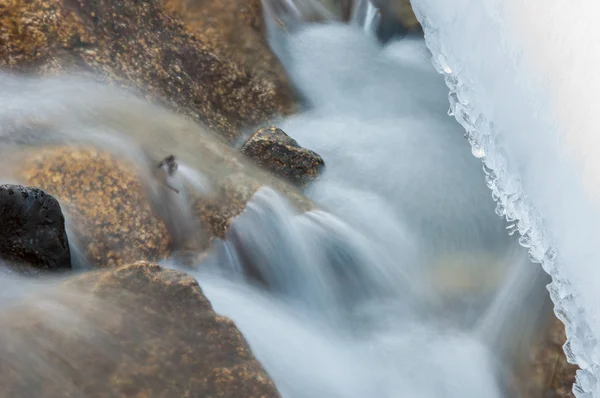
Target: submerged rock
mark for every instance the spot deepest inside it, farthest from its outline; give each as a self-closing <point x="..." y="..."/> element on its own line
<point x="33" y="228"/>
<point x="137" y="44"/>
<point x="218" y="209"/>
<point x="135" y="331"/>
<point x="107" y="206"/>
<point x="549" y="374"/>
<point x="274" y="150"/>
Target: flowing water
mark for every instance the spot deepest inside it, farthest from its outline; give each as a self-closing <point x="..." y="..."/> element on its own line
<point x="402" y="282"/>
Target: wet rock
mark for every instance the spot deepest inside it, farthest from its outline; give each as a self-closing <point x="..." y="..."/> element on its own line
<point x="218" y="209"/>
<point x="135" y="331"/>
<point x="401" y="12"/>
<point x="274" y="150"/>
<point x="548" y="374"/>
<point x="107" y="207"/>
<point x="235" y="29"/>
<point x="33" y="228"/>
<point x="137" y="44"/>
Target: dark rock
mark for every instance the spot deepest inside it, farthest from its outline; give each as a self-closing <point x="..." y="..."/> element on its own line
<point x="139" y="45"/>
<point x="275" y="151"/>
<point x="135" y="331"/>
<point x="33" y="228"/>
<point x="400" y="12"/>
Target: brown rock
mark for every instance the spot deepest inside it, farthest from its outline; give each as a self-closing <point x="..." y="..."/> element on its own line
<point x="236" y="31"/>
<point x="106" y="204"/>
<point x="548" y="374"/>
<point x="274" y="150"/>
<point x="135" y="331"/>
<point x="137" y="44"/>
<point x="217" y="210"/>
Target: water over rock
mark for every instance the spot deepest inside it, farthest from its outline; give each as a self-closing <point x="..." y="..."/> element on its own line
<point x="33" y="228"/>
<point x="139" y="45"/>
<point x="138" y="330"/>
<point x="549" y="375"/>
<point x="107" y="206"/>
<point x="272" y="149"/>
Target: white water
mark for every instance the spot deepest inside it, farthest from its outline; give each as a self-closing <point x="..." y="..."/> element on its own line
<point x="400" y="289"/>
<point x="525" y="85"/>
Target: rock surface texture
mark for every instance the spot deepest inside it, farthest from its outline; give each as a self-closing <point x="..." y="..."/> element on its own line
<point x="235" y="29"/>
<point x="139" y="45"/>
<point x="549" y="374"/>
<point x="274" y="150"/>
<point x="134" y="331"/>
<point x="33" y="229"/>
<point x="107" y="206"/>
<point x="545" y="372"/>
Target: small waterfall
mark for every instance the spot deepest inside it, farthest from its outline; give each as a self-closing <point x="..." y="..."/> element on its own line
<point x="407" y="258"/>
<point x="366" y="16"/>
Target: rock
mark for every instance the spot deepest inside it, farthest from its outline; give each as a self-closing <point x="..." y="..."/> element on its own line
<point x="548" y="374"/>
<point x="236" y="30"/>
<point x="105" y="201"/>
<point x="217" y="210"/>
<point x="275" y="151"/>
<point x="401" y="11"/>
<point x="137" y="44"/>
<point x="33" y="228"/>
<point x="135" y="331"/>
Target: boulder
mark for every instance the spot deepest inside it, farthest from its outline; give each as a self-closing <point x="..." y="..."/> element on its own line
<point x="33" y="229"/>
<point x="137" y="44"/>
<point x="272" y="149"/>
<point x="108" y="209"/>
<point x="134" y="331"/>
<point x="236" y="30"/>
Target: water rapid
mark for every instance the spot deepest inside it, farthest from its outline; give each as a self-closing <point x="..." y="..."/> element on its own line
<point x="408" y="284"/>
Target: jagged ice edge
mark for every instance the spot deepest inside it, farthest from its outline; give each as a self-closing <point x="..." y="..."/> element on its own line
<point x="522" y="216"/>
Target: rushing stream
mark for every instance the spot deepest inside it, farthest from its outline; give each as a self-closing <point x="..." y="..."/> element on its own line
<point x="403" y="282"/>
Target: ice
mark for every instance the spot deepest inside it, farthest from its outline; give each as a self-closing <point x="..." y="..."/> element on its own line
<point x="526" y="72"/>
